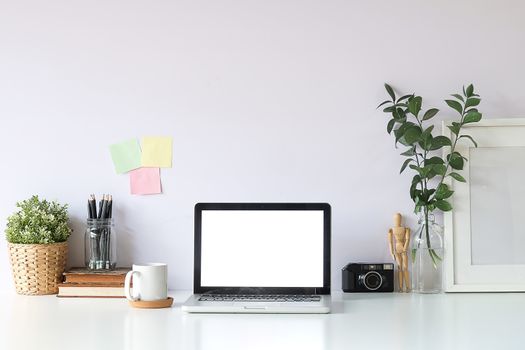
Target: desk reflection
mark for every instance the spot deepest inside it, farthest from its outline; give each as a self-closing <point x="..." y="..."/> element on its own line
<point x="254" y="331"/>
<point x="150" y="329"/>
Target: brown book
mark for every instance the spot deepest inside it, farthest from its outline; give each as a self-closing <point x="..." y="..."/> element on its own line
<point x="83" y="275"/>
<point x="90" y="290"/>
<point x="93" y="284"/>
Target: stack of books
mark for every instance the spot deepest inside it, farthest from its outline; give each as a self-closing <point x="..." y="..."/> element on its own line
<point x="82" y="282"/>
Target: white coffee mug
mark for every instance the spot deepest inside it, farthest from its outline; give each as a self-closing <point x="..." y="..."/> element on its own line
<point x="150" y="282"/>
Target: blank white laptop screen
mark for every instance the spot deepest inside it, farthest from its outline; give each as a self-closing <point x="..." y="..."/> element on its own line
<point x="262" y="248"/>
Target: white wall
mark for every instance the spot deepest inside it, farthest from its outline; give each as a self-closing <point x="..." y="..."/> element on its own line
<point x="266" y="101"/>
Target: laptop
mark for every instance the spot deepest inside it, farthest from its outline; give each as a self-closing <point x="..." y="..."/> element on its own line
<point x="261" y="258"/>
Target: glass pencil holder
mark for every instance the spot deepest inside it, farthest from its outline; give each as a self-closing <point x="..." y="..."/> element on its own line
<point x="100" y="243"/>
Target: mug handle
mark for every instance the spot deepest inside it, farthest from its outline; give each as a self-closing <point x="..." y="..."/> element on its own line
<point x="127" y="286"/>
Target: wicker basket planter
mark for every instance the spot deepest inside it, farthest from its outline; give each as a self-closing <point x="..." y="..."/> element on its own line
<point x="37" y="268"/>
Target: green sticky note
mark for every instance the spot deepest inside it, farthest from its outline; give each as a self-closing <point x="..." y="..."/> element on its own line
<point x="157" y="152"/>
<point x="125" y="155"/>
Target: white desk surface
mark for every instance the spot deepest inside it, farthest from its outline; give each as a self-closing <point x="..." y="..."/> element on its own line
<point x="358" y="321"/>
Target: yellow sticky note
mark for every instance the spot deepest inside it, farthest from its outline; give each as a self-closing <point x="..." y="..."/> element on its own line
<point x="157" y="152"/>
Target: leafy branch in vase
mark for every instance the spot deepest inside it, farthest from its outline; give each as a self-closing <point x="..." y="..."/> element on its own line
<point x="425" y="152"/>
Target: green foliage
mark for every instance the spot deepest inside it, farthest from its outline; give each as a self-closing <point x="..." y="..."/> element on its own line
<point x="38" y="222"/>
<point x="424" y="151"/>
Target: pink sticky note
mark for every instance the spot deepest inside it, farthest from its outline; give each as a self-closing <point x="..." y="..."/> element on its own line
<point x="145" y="181"/>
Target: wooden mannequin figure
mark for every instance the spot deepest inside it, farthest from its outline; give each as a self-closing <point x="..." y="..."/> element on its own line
<point x="399" y="240"/>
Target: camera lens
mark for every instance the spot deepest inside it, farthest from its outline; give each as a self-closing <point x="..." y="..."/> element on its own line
<point x="372" y="280"/>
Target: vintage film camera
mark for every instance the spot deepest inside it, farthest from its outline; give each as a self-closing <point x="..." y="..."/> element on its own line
<point x="368" y="277"/>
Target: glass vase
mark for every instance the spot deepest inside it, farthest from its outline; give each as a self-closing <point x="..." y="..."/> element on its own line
<point x="427" y="255"/>
<point x="100" y="244"/>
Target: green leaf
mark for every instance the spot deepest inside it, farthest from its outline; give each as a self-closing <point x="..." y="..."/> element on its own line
<point x="399" y="115"/>
<point x="383" y="103"/>
<point x="405" y="163"/>
<point x="426" y="171"/>
<point x="472" y="117"/>
<point x="434" y="160"/>
<point x="457" y="177"/>
<point x="416" y="179"/>
<point x="414" y="104"/>
<point x="390" y="91"/>
<point x="440" y="141"/>
<point x="427" y="194"/>
<point x="414" y="192"/>
<point x="402" y="98"/>
<point x="443" y="205"/>
<point x="390" y="125"/>
<point x="443" y="192"/>
<point x="455" y="128"/>
<point x="412" y="135"/>
<point x="404" y="142"/>
<point x="456" y="161"/>
<point x="399" y="132"/>
<point x="444" y="195"/>
<point x="426" y="138"/>
<point x="417" y="200"/>
<point x="439" y="169"/>
<point x="470" y="90"/>
<point x="421" y="171"/>
<point x="470" y="138"/>
<point x="459" y="97"/>
<point x="430" y="113"/>
<point x="456" y="105"/>
<point x="426" y="142"/>
<point x="471" y="102"/>
<point x="429" y="130"/>
<point x="409" y="153"/>
<point x="389" y="109"/>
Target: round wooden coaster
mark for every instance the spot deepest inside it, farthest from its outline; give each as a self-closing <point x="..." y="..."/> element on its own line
<point x="154" y="304"/>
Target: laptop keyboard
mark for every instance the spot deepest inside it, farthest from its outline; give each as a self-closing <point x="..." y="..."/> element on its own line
<point x="260" y="298"/>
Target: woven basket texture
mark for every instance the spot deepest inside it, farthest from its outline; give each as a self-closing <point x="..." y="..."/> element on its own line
<point x="37" y="268"/>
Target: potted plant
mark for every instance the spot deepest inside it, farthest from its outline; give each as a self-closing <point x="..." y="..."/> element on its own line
<point x="433" y="159"/>
<point x="37" y="236"/>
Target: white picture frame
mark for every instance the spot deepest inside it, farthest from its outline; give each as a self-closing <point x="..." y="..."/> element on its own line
<point x="484" y="234"/>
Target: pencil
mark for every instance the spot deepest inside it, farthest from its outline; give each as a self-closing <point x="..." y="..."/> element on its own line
<point x="100" y="207"/>
<point x="110" y="207"/>
<point x="93" y="205"/>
